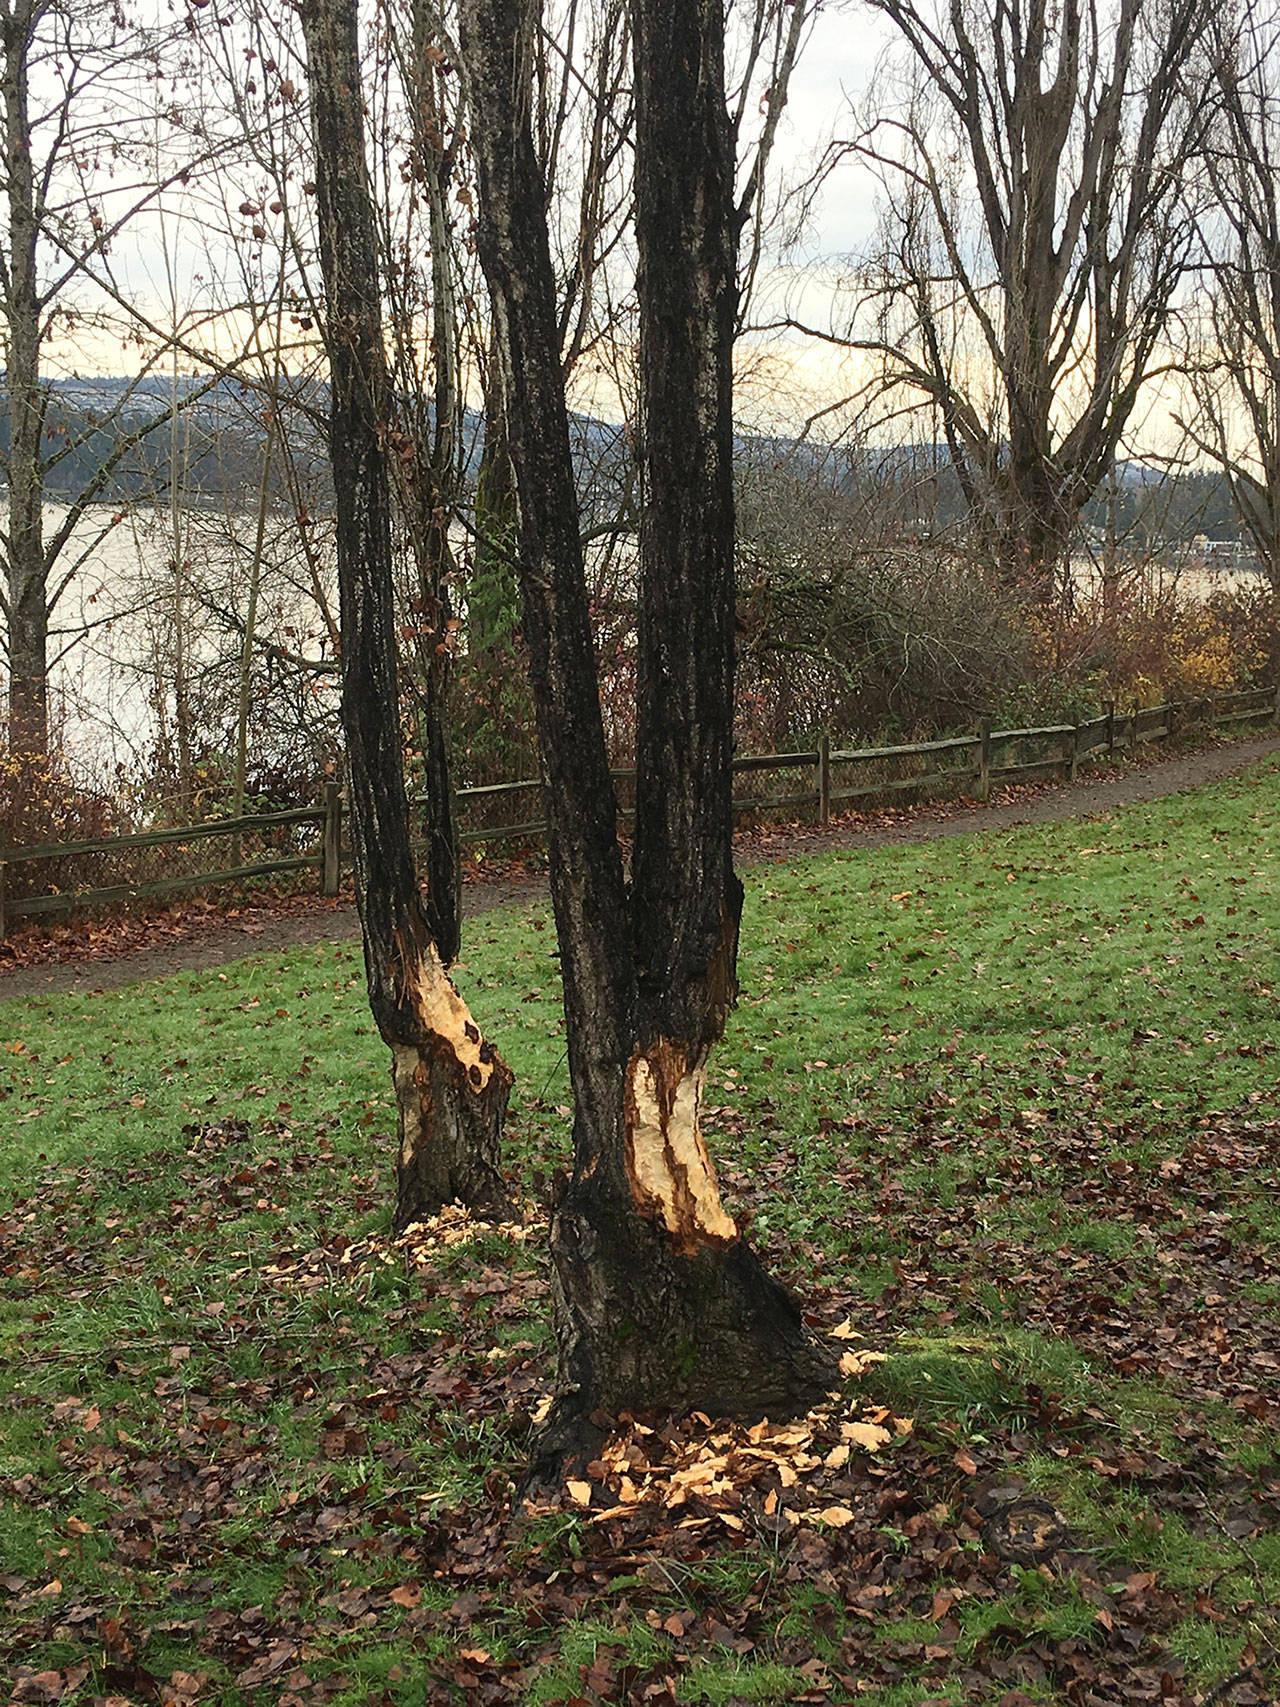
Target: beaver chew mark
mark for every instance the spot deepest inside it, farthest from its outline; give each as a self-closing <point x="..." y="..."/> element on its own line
<point x="442" y="1011"/>
<point x="413" y="1090"/>
<point x="667" y="1161"/>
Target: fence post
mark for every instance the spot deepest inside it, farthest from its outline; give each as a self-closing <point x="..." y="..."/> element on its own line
<point x="1172" y="719"/>
<point x="2" y="917"/>
<point x="984" y="758"/>
<point x="1275" y="699"/>
<point x="1111" y="727"/>
<point x="331" y="846"/>
<point x="1073" y="758"/>
<point x="824" y="777"/>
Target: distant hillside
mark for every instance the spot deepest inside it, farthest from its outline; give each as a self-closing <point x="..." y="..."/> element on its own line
<point x="219" y="433"/>
<point x="216" y="439"/>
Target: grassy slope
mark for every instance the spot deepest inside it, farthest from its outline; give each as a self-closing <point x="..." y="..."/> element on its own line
<point x="971" y="1087"/>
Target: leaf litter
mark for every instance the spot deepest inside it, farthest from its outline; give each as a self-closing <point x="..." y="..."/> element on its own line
<point x="885" y="1527"/>
<point x="697" y="1473"/>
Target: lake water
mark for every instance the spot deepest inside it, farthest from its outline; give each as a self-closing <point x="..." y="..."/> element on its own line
<point x="155" y="600"/>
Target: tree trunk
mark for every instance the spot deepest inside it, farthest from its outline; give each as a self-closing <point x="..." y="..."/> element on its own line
<point x="451" y="1085"/>
<point x="1031" y="539"/>
<point x="1110" y="551"/>
<point x="500" y="712"/>
<point x="423" y="510"/>
<point x="714" y="1331"/>
<point x="659" y="1302"/>
<point x="429" y="487"/>
<point x="28" y="616"/>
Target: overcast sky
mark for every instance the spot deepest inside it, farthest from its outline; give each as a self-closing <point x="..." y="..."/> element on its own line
<point x="845" y="43"/>
<point x="836" y="68"/>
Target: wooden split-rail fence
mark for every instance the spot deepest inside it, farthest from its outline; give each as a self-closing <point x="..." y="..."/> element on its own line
<point x="833" y="779"/>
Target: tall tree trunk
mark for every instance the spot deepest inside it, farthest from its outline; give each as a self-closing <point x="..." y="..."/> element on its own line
<point x="429" y="494"/>
<point x="1031" y="537"/>
<point x="659" y="1301"/>
<point x="183" y="811"/>
<point x="1110" y="550"/>
<point x="451" y="1085"/>
<point x="715" y="1331"/>
<point x="28" y="615"/>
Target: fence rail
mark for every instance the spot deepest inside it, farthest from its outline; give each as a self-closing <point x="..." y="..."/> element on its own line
<point x="325" y="857"/>
<point x="988" y="757"/>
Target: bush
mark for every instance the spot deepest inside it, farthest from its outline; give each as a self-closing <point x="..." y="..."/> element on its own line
<point x="1150" y="644"/>
<point x="41" y="801"/>
<point x="844" y="626"/>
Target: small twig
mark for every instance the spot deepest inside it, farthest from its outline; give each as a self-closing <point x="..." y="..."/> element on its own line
<point x="1223" y="1689"/>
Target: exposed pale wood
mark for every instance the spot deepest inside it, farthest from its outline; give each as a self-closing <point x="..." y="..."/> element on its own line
<point x="488" y="789"/>
<point x="648" y="967"/>
<point x="451" y="1085"/>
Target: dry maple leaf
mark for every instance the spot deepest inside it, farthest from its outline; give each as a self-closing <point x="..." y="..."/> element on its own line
<point x="835" y="1516"/>
<point x="797" y="1435"/>
<point x="870" y="1435"/>
<point x="858" y="1362"/>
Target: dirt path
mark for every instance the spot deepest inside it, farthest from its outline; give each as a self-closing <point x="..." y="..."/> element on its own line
<point x="216" y="938"/>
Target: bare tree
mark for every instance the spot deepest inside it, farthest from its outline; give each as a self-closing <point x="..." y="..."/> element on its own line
<point x="1235" y="367"/>
<point x="659" y="1300"/>
<point x="451" y="1084"/>
<point x="1034" y="231"/>
<point x="80" y="165"/>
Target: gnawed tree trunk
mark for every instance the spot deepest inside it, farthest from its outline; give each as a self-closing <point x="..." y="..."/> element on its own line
<point x="659" y="1301"/>
<point x="451" y="1085"/>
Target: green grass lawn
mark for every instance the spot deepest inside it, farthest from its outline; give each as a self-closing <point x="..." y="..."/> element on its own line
<point x="1007" y="1105"/>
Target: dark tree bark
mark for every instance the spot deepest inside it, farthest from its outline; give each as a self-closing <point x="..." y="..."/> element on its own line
<point x="659" y="1301"/>
<point x="428" y="476"/>
<point x="451" y="1085"/>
